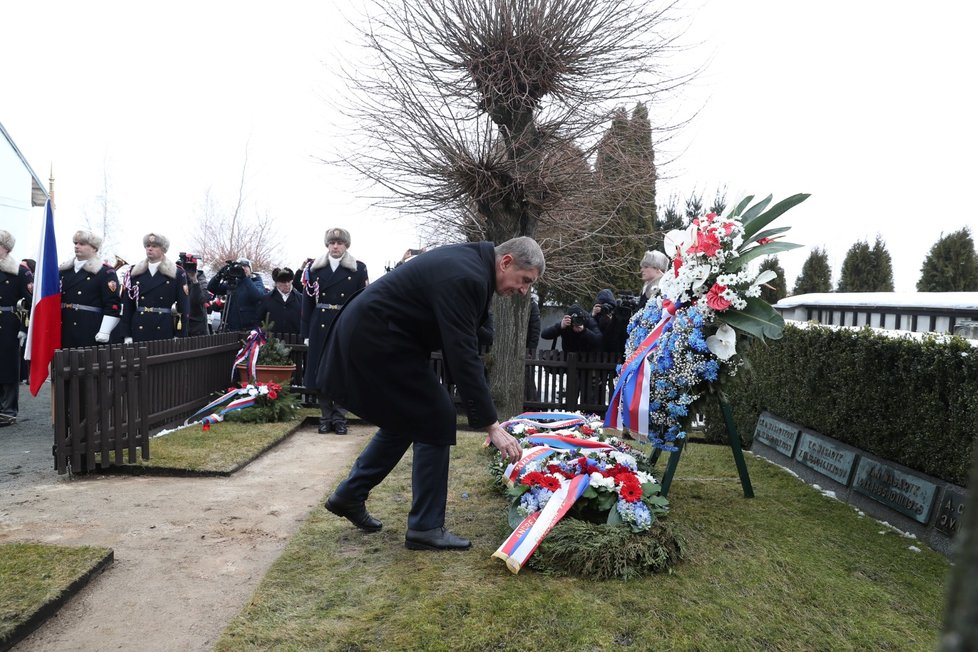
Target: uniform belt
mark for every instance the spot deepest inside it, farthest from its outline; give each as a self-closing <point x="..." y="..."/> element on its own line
<point x="165" y="311"/>
<point x="6" y="308"/>
<point x="329" y="306"/>
<point x="78" y="306"/>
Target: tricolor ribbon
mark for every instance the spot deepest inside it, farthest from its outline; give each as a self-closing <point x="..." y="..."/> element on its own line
<point x="248" y="395"/>
<point x="513" y="471"/>
<point x="630" y="402"/>
<point x="563" y="442"/>
<point x="526" y="538"/>
<point x="248" y="354"/>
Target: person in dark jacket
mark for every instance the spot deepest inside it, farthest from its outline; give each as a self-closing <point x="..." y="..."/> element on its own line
<point x="199" y="298"/>
<point x="577" y="330"/>
<point x="152" y="289"/>
<point x="283" y="305"/>
<point x="90" y="303"/>
<point x="16" y="283"/>
<point x="243" y="295"/>
<point x="376" y="362"/>
<point x="612" y="318"/>
<point x="333" y="278"/>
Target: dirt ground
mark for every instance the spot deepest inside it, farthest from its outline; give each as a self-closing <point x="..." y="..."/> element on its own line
<point x="189" y="552"/>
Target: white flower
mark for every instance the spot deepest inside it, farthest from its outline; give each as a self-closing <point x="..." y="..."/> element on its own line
<point x="724" y="344"/>
<point x="598" y="481"/>
<point x="252" y="390"/>
<point x="680" y="240"/>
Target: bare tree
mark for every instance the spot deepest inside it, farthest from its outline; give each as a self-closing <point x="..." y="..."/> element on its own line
<point x="224" y="235"/>
<point x="103" y="220"/>
<point x="468" y="111"/>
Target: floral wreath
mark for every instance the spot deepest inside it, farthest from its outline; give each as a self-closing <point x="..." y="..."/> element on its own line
<point x="684" y="343"/>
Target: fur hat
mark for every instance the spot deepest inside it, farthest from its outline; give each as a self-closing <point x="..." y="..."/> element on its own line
<point x="87" y="237"/>
<point x="244" y="261"/>
<point x="337" y="234"/>
<point x="156" y="239"/>
<point x="283" y="275"/>
<point x="7" y="240"/>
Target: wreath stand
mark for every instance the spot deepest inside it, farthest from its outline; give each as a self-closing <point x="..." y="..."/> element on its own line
<point x="732" y="436"/>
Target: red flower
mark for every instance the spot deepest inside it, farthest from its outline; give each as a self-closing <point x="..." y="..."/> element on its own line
<point x="631" y="492"/>
<point x="550" y="482"/>
<point x="764" y="241"/>
<point x="707" y="242"/>
<point x="677" y="262"/>
<point x="715" y="299"/>
<point x="273" y="395"/>
<point x="531" y="431"/>
<point x="587" y="430"/>
<point x="532" y="478"/>
<point x="207" y="427"/>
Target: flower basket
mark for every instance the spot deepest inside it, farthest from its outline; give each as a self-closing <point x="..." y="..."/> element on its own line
<point x="281" y="374"/>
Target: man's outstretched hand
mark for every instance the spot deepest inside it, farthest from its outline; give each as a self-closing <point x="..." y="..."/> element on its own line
<point x="505" y="443"/>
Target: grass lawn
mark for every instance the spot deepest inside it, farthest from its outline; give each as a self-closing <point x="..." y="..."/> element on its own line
<point x="33" y="576"/>
<point x="223" y="449"/>
<point x="787" y="570"/>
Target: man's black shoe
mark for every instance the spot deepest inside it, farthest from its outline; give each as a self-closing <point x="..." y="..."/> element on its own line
<point x="340" y="428"/>
<point x="325" y="428"/>
<point x="355" y="513"/>
<point x="437" y="539"/>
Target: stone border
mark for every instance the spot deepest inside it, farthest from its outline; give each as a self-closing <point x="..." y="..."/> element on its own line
<point x="48" y="609"/>
<point x="927" y="507"/>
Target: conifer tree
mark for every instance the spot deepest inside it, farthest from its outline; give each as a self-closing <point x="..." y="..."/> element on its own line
<point x="951" y="265"/>
<point x="882" y="267"/>
<point x="857" y="269"/>
<point x="776" y="289"/>
<point x="816" y="275"/>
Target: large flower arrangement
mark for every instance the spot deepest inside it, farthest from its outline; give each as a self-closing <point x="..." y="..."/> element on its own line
<point x="252" y="403"/>
<point x="683" y="344"/>
<point x="569" y="467"/>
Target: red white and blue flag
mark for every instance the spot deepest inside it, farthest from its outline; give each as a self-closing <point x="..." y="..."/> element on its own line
<point x="44" y="331"/>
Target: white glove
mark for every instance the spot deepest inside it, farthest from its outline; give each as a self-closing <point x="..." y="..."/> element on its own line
<point x="22" y="337"/>
<point x="127" y="340"/>
<point x="101" y="337"/>
<point x="105" y="329"/>
<point x="306" y="341"/>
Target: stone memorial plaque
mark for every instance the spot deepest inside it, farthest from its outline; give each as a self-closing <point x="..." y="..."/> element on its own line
<point x="900" y="491"/>
<point x="776" y="434"/>
<point x="949" y="512"/>
<point x="825" y="457"/>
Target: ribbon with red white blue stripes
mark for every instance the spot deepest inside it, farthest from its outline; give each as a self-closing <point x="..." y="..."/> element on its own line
<point x="248" y="354"/>
<point x="247" y="399"/>
<point x="526" y="538"/>
<point x="629" y="405"/>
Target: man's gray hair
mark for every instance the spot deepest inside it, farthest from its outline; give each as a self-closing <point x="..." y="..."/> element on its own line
<point x="525" y="251"/>
<point x="655" y="259"/>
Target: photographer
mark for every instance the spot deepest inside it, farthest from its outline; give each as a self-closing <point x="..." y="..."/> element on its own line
<point x="244" y="292"/>
<point x="199" y="296"/>
<point x="612" y="316"/>
<point x="578" y="332"/>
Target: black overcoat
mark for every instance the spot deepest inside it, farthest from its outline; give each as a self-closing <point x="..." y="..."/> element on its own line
<point x="15" y="284"/>
<point x="283" y="313"/>
<point x="86" y="296"/>
<point x="376" y="361"/>
<point x="166" y="290"/>
<point x="324" y="294"/>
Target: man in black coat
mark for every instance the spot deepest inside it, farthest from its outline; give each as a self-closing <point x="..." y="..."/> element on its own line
<point x="16" y="284"/>
<point x="90" y="303"/>
<point x="153" y="289"/>
<point x="376" y="363"/>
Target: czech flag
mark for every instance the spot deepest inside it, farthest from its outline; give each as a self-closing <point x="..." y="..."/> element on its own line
<point x="44" y="331"/>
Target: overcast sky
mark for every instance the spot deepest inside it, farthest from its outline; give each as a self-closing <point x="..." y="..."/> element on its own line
<point x="862" y="104"/>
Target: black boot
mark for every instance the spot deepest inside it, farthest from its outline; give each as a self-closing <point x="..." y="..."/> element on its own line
<point x="354" y="512"/>
<point x="437" y="539"/>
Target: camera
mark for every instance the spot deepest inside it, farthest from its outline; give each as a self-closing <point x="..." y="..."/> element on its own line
<point x="231" y="273"/>
<point x="189" y="262"/>
<point x="606" y="309"/>
<point x="577" y="319"/>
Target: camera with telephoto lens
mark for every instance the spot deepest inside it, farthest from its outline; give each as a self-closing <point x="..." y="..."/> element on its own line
<point x="188" y="262"/>
<point x="626" y="306"/>
<point x="577" y="319"/>
<point x="231" y="273"/>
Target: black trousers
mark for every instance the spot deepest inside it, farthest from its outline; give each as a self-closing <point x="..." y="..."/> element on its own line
<point x="429" y="476"/>
<point x="9" y="399"/>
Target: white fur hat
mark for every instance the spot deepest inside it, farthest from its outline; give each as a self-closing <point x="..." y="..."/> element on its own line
<point x="337" y="234"/>
<point x="7" y="240"/>
<point x="87" y="237"/>
<point x="156" y="239"/>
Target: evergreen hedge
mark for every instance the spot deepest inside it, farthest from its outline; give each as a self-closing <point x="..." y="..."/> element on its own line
<point x="914" y="402"/>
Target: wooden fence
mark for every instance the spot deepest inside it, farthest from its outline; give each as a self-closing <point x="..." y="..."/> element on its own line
<point x="108" y="400"/>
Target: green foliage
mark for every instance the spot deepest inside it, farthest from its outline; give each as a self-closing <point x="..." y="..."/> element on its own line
<point x="816" y="275"/>
<point x="590" y="551"/>
<point x="774" y="290"/>
<point x="951" y="265"/>
<point x="283" y="407"/>
<point x="909" y="401"/>
<point x="274" y="352"/>
<point x="867" y="270"/>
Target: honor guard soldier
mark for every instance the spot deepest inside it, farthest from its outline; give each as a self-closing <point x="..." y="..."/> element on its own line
<point x="89" y="293"/>
<point x="16" y="283"/>
<point x="151" y="290"/>
<point x="328" y="283"/>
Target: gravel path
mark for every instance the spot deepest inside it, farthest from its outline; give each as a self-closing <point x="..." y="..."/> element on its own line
<point x="189" y="552"/>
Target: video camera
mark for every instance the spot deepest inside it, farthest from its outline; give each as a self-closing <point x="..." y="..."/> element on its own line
<point x="188" y="262"/>
<point x="231" y="273"/>
<point x="623" y="307"/>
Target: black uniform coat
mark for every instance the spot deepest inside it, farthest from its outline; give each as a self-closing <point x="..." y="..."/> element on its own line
<point x="285" y="314"/>
<point x="376" y="361"/>
<point x="326" y="288"/>
<point x="163" y="290"/>
<point x="15" y="284"/>
<point x="95" y="284"/>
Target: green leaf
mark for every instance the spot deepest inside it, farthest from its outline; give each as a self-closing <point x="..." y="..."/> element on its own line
<point x="590" y="492"/>
<point x="762" y="220"/>
<point x="769" y="233"/>
<point x="759" y="319"/>
<point x="513" y="516"/>
<point x="517" y="490"/>
<point x="761" y="250"/>
<point x="755" y="210"/>
<point x="614" y="518"/>
<point x="741" y="206"/>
